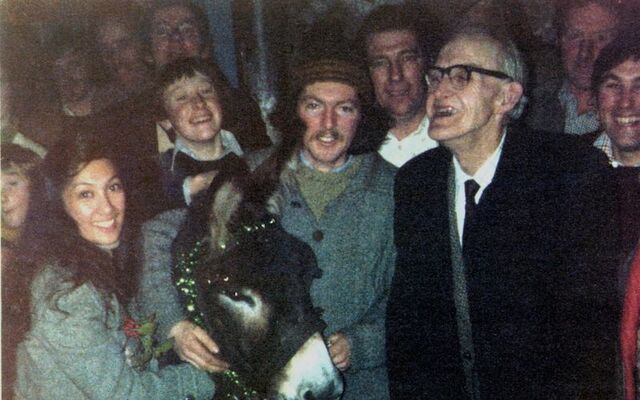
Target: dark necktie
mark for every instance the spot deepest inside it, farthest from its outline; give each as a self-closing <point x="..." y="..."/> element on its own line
<point x="190" y="167"/>
<point x="471" y="187"/>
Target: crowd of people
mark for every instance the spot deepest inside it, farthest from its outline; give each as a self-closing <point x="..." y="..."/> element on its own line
<point x="476" y="218"/>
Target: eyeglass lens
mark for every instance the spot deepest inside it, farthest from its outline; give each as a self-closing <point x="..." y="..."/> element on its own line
<point x="458" y="76"/>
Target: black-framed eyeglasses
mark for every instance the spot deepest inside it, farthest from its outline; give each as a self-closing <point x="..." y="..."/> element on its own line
<point x="459" y="75"/>
<point x="184" y="30"/>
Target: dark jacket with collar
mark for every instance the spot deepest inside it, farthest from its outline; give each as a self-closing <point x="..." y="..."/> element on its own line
<point x="540" y="269"/>
<point x="627" y="180"/>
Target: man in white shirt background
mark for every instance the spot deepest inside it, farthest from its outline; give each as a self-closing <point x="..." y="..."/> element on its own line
<point x="396" y="55"/>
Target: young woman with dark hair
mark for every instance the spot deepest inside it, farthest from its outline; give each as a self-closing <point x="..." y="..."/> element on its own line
<point x="72" y="334"/>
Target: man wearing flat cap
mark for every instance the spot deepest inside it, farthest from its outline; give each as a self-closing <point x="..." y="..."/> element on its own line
<point x="336" y="194"/>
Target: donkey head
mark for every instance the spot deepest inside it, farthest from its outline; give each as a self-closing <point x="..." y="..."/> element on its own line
<point x="254" y="293"/>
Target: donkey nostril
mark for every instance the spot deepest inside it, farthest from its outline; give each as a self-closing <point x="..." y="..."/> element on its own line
<point x="308" y="395"/>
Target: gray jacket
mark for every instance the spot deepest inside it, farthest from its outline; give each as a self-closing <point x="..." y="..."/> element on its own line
<point x="356" y="255"/>
<point x="353" y="243"/>
<point x="158" y="294"/>
<point x="76" y="350"/>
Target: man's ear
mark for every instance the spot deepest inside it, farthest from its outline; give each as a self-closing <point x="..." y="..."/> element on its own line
<point x="511" y="94"/>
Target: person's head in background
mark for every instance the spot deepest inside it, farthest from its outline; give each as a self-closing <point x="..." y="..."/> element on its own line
<point x="176" y="29"/>
<point x="73" y="73"/>
<point x="397" y="52"/>
<point x="21" y="171"/>
<point x="584" y="28"/>
<point x="119" y="43"/>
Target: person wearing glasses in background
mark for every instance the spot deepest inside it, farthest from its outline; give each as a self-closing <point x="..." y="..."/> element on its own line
<point x="505" y="284"/>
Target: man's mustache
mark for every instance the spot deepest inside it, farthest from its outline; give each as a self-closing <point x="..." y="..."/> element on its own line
<point x="334" y="134"/>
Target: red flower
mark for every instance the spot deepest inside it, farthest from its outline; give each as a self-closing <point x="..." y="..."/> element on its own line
<point x="131" y="327"/>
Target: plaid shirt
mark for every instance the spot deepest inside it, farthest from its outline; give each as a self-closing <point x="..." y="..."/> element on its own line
<point x="603" y="142"/>
<point x="574" y="123"/>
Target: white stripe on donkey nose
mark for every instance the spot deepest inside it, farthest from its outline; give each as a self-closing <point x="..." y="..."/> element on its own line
<point x="310" y="374"/>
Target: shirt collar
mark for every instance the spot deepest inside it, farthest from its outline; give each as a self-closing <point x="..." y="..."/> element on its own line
<point x="421" y="130"/>
<point x="484" y="174"/>
<point x="423" y="124"/>
<point x="229" y="145"/>
<point x="603" y="142"/>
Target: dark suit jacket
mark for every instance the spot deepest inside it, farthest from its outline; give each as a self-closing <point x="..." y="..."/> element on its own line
<point x="541" y="276"/>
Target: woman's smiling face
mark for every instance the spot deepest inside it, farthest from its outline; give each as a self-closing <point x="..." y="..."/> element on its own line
<point x="95" y="200"/>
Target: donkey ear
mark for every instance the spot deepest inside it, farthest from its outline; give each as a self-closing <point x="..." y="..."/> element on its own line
<point x="223" y="207"/>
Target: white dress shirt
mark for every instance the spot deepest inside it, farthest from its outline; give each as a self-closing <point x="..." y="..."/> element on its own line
<point x="483" y="177"/>
<point x="398" y="152"/>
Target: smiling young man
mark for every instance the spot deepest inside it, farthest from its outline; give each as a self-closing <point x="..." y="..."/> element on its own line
<point x="616" y="84"/>
<point x="173" y="30"/>
<point x="336" y="195"/>
<point x="192" y="92"/>
<point x="396" y="57"/>
<point x="504" y="285"/>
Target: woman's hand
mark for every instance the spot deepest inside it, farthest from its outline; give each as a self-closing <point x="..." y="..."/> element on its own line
<point x="192" y="344"/>
<point x="339" y="350"/>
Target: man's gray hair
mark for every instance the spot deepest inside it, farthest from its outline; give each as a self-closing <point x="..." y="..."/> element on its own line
<point x="512" y="62"/>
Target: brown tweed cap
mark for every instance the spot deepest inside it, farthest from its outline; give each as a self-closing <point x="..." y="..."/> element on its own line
<point x="333" y="70"/>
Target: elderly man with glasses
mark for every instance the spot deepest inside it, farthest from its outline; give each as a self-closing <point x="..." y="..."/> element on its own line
<point x="505" y="277"/>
